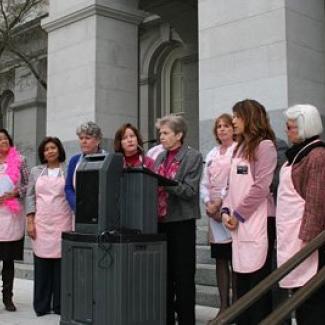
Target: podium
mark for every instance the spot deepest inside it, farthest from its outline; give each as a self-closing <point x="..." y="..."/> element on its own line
<point x="114" y="265"/>
<point x="110" y="197"/>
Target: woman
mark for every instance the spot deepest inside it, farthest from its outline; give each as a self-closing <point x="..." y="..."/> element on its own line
<point x="90" y="137"/>
<point x="246" y="205"/>
<point x="178" y="209"/>
<point x="300" y="214"/>
<point x="213" y="187"/>
<point x="128" y="141"/>
<point x="48" y="215"/>
<point x="13" y="184"/>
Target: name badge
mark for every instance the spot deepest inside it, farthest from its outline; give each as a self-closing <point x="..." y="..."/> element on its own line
<point x="242" y="169"/>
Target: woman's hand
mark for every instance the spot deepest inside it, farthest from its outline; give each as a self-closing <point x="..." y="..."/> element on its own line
<point x="212" y="208"/>
<point x="229" y="221"/>
<point x="8" y="195"/>
<point x="12" y="194"/>
<point x="31" y="229"/>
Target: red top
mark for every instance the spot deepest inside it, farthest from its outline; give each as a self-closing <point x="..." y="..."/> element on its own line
<point x="137" y="160"/>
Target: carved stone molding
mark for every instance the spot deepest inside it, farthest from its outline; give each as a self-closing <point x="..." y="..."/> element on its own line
<point x="132" y="16"/>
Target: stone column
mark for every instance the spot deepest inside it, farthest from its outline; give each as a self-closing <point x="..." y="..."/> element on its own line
<point x="29" y="113"/>
<point x="92" y="66"/>
<point x="269" y="50"/>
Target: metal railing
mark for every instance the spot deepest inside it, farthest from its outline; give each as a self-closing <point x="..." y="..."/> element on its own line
<point x="299" y="297"/>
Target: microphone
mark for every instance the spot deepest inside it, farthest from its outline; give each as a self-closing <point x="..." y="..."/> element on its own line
<point x="140" y="148"/>
<point x="150" y="141"/>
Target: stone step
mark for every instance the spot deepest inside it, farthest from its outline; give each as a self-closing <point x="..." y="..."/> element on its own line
<point x="202" y="235"/>
<point x="24" y="271"/>
<point x="203" y="221"/>
<point x="203" y="255"/>
<point x="28" y="256"/>
<point x="207" y="296"/>
<point x="206" y="274"/>
<point x="28" y="242"/>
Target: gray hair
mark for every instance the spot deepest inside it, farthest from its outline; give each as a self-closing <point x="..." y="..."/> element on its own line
<point x="176" y="123"/>
<point x="90" y="128"/>
<point x="308" y="119"/>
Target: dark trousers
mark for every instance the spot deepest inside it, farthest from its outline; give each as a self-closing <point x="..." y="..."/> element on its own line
<point x="312" y="311"/>
<point x="180" y="271"/>
<point x="261" y="308"/>
<point x="47" y="284"/>
<point x="279" y="296"/>
<point x="8" y="272"/>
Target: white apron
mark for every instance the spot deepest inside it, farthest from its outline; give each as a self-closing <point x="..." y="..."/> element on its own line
<point x="289" y="214"/>
<point x="249" y="239"/>
<point x="53" y="216"/>
<point x="218" y="172"/>
<point x="12" y="225"/>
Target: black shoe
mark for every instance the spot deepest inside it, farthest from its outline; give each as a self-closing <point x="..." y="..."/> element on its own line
<point x="9" y="305"/>
<point x="41" y="314"/>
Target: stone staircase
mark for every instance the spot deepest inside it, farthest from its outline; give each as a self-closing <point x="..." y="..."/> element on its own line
<point x="207" y="293"/>
<point x="206" y="290"/>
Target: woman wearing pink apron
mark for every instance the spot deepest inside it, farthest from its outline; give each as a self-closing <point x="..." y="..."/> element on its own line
<point x="48" y="215"/>
<point x="245" y="208"/>
<point x="13" y="184"/>
<point x="300" y="214"/>
<point x="213" y="189"/>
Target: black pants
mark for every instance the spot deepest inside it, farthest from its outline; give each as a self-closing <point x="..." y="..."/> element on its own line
<point x="261" y="308"/>
<point x="8" y="272"/>
<point x="312" y="311"/>
<point x="47" y="284"/>
<point x="279" y="296"/>
<point x="180" y="271"/>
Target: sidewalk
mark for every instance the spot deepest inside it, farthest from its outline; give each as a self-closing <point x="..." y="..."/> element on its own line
<point x="23" y="292"/>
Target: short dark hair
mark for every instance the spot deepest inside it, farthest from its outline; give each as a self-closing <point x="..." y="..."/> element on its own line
<point x="4" y="131"/>
<point x="57" y="142"/>
<point x="120" y="133"/>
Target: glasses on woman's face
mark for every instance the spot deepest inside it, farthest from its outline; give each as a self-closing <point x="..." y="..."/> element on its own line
<point x="291" y="127"/>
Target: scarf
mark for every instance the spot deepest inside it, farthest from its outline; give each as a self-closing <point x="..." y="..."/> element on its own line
<point x="168" y="169"/>
<point x="13" y="160"/>
<point x="293" y="151"/>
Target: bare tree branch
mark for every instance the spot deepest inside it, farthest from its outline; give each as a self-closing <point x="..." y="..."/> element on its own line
<point x="24" y="58"/>
<point x="4" y="14"/>
<point x="12" y="13"/>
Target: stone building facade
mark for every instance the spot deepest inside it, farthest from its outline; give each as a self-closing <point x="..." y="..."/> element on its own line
<point x="116" y="61"/>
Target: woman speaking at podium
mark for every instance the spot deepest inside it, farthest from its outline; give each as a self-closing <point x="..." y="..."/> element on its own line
<point x="178" y="208"/>
<point x="48" y="215"/>
<point x="129" y="142"/>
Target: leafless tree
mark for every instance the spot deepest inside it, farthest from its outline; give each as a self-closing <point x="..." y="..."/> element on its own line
<point x="13" y="14"/>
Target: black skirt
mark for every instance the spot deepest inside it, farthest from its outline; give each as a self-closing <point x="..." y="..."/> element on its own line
<point x="12" y="250"/>
<point x="221" y="251"/>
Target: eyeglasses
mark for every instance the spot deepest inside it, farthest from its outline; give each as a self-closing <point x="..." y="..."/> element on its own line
<point x="291" y="127"/>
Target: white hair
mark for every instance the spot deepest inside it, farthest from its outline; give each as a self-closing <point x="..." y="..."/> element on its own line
<point x="308" y="119"/>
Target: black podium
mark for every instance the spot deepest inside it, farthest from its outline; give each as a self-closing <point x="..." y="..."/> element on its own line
<point x="114" y="265"/>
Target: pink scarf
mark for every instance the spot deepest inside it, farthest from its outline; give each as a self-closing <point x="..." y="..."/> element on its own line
<point x="13" y="171"/>
<point x="168" y="171"/>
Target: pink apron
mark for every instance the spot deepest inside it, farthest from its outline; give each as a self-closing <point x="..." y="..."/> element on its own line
<point x="218" y="173"/>
<point x="53" y="216"/>
<point x="12" y="225"/>
<point x="289" y="213"/>
<point x="249" y="239"/>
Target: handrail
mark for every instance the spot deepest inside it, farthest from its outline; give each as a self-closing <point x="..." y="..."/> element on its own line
<point x="250" y="297"/>
<point x="296" y="300"/>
